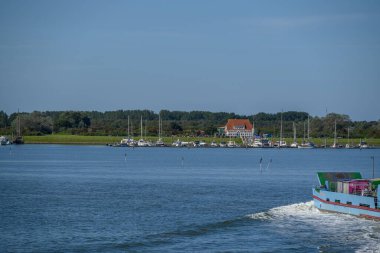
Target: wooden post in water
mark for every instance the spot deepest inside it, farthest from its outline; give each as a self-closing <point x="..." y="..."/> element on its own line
<point x="373" y="166"/>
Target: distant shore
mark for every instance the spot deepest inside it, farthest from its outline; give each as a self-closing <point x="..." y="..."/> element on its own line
<point x="104" y="140"/>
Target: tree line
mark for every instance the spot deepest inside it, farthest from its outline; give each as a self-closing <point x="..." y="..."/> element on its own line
<point x="193" y="123"/>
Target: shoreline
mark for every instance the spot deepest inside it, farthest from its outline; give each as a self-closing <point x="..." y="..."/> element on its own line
<point x="115" y="140"/>
<point x="184" y="147"/>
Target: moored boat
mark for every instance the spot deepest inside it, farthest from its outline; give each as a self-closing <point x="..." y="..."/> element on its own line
<point x="294" y="144"/>
<point x="18" y="139"/>
<point x="231" y="144"/>
<point x="347" y="192"/>
<point x="214" y="144"/>
<point x="159" y="142"/>
<point x="363" y="144"/>
<point x="4" y="141"/>
<point x="306" y="143"/>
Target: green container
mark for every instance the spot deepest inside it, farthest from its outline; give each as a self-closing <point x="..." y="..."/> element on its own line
<point x="374" y="183"/>
<point x="332" y="186"/>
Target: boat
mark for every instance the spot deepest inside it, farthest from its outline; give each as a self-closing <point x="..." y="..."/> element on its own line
<point x="335" y="144"/>
<point x="127" y="141"/>
<point x="177" y="143"/>
<point x="281" y="143"/>
<point x="18" y="139"/>
<point x="294" y="144"/>
<point x="261" y="142"/>
<point x="186" y="143"/>
<point x="257" y="143"/>
<point x="159" y="142"/>
<point x="214" y="144"/>
<point x="223" y="144"/>
<point x="306" y="144"/>
<point x="202" y="144"/>
<point x="231" y="144"/>
<point x="349" y="193"/>
<point x="142" y="142"/>
<point x="4" y="141"/>
<point x="363" y="144"/>
<point x="266" y="143"/>
<point x="348" y="138"/>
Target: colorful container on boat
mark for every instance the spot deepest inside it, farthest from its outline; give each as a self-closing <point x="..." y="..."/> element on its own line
<point x="374" y="183"/>
<point x="347" y="192"/>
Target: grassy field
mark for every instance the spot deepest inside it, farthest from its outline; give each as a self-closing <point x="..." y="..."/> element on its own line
<point x="71" y="139"/>
<point x="102" y="140"/>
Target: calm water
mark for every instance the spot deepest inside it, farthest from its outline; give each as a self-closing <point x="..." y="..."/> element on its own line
<point x="57" y="198"/>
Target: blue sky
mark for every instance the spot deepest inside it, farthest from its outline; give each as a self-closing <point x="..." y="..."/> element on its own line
<point x="237" y="56"/>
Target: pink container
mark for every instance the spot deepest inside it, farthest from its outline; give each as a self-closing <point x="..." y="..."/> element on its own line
<point x="358" y="186"/>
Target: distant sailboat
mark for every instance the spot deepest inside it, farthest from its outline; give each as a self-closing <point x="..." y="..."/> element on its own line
<point x="214" y="144"/>
<point x="348" y="138"/>
<point x="294" y="144"/>
<point x="308" y="143"/>
<point x="335" y="144"/>
<point x="18" y="139"/>
<point x="282" y="143"/>
<point x="141" y="142"/>
<point x="363" y="144"/>
<point x="128" y="141"/>
<point x="159" y="143"/>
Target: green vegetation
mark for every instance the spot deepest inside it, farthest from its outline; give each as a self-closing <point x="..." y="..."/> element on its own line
<point x="108" y="127"/>
<point x="71" y="139"/>
<point x="81" y="139"/>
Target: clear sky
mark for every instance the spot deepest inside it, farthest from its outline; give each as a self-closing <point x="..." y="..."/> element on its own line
<point x="236" y="56"/>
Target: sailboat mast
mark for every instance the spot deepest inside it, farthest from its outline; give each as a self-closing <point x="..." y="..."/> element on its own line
<point x="294" y="132"/>
<point x="146" y="123"/>
<point x="281" y="129"/>
<point x="141" y="128"/>
<point x="18" y="123"/>
<point x="128" y="126"/>
<point x="308" y="127"/>
<point x="304" y="131"/>
<point x="159" y="126"/>
<point x="335" y="133"/>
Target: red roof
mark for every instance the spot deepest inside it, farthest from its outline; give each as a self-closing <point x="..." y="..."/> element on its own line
<point x="235" y="124"/>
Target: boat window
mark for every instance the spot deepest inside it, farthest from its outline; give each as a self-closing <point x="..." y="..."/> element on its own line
<point x="365" y="205"/>
<point x="337" y="201"/>
<point x="327" y="199"/>
<point x="349" y="203"/>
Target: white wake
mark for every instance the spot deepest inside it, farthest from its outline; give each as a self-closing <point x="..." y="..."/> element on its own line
<point x="341" y="227"/>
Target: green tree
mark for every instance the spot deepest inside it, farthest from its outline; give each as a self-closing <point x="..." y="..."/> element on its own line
<point x="3" y="119"/>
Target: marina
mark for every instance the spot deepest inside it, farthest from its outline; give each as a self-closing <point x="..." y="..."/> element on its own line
<point x="253" y="143"/>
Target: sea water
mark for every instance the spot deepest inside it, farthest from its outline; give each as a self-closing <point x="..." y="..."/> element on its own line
<point x="60" y="198"/>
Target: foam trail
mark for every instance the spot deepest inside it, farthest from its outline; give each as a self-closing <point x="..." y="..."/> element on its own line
<point x="341" y="228"/>
<point x="300" y="209"/>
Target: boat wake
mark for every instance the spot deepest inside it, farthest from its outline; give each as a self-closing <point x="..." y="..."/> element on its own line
<point x="304" y="210"/>
<point x="322" y="228"/>
<point x="297" y="224"/>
